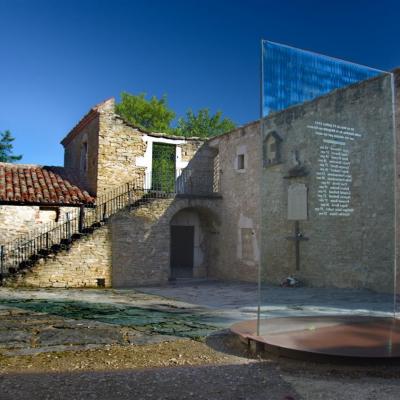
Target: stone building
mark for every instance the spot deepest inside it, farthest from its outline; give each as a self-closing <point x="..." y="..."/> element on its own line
<point x="32" y="196"/>
<point x="154" y="207"/>
<point x="129" y="201"/>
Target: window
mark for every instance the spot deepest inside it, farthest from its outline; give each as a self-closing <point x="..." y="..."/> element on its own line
<point x="240" y="161"/>
<point x="272" y="149"/>
<point x="84" y="157"/>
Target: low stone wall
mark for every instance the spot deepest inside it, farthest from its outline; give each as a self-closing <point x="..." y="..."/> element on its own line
<point x="88" y="260"/>
<point x="16" y="221"/>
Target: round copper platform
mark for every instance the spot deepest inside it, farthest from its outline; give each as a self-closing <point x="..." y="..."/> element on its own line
<point x="351" y="337"/>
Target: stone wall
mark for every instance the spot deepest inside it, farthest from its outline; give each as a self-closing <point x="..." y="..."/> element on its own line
<point x="240" y="214"/>
<point x="73" y="148"/>
<point x="88" y="260"/>
<point x="133" y="249"/>
<point x="199" y="176"/>
<point x="119" y="153"/>
<point x="125" y="152"/>
<point x="16" y="221"/>
<point x="340" y="147"/>
<point x="141" y="240"/>
<point x="119" y="147"/>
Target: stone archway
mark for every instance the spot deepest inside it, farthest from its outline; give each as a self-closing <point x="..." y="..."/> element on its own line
<point x="140" y="239"/>
<point x="191" y="242"/>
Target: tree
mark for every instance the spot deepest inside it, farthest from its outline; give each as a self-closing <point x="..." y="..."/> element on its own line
<point x="150" y="115"/>
<point x="203" y="124"/>
<point x="6" y="147"/>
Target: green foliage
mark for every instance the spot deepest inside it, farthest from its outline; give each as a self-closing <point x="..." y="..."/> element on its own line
<point x="203" y="124"/>
<point x="6" y="147"/>
<point x="154" y="115"/>
<point x="149" y="115"/>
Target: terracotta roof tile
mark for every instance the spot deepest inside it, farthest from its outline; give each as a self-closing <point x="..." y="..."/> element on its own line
<point x="28" y="184"/>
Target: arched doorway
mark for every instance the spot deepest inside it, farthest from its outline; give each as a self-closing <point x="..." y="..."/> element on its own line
<point x="191" y="246"/>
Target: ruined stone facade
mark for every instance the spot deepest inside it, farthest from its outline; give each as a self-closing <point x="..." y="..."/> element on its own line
<point x="103" y="154"/>
<point x="244" y="193"/>
<point x="104" y="151"/>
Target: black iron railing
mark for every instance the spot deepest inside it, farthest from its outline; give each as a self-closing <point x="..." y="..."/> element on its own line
<point x="22" y="253"/>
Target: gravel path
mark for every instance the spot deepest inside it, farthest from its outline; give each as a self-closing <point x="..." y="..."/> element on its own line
<point x="186" y="369"/>
<point x="213" y="382"/>
<point x="258" y="381"/>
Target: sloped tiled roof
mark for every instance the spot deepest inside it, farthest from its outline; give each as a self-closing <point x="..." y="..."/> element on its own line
<point x="34" y="184"/>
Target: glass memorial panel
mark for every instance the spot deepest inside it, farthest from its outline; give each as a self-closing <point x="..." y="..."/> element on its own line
<point x="292" y="76"/>
<point x="327" y="187"/>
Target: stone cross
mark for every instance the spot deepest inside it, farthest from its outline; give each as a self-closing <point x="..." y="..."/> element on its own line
<point x="297" y="238"/>
<point x="297" y="211"/>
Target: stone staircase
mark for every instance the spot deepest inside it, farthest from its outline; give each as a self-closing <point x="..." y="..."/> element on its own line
<point x="66" y="247"/>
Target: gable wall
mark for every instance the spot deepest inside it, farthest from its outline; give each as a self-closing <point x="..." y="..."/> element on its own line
<point x="125" y="153"/>
<point x="72" y="156"/>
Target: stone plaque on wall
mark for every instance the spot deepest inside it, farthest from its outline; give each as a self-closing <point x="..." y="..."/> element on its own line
<point x="297" y="202"/>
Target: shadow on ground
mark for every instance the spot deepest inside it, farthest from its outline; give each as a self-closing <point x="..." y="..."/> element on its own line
<point x="224" y="382"/>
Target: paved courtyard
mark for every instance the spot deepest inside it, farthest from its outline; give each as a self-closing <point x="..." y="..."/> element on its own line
<point x="40" y="320"/>
<point x="171" y="342"/>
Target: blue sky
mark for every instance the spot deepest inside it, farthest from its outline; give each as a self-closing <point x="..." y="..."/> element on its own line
<point x="58" y="58"/>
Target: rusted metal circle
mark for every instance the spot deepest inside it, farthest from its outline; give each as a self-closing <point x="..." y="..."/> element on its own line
<point x="316" y="337"/>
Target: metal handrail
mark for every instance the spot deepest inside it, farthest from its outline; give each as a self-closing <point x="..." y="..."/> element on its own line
<point x="23" y="252"/>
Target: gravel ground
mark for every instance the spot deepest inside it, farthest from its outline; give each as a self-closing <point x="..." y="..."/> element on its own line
<point x="187" y="369"/>
<point x="76" y="344"/>
<point x="113" y="357"/>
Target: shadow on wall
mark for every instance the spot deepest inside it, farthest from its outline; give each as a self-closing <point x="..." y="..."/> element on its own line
<point x="141" y="241"/>
<point x="201" y="176"/>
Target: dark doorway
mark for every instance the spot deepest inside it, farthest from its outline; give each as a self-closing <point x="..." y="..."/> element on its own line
<point x="182" y="251"/>
<point x="163" y="167"/>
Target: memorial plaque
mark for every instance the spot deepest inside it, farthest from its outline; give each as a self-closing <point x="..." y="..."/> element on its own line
<point x="297" y="202"/>
<point x="334" y="172"/>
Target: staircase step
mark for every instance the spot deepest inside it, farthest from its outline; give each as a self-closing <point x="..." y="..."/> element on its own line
<point x="147" y="196"/>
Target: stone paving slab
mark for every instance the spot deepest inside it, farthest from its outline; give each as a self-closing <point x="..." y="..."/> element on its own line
<point x="79" y="336"/>
<point x="242" y="298"/>
<point x="13" y="339"/>
<point x="36" y="319"/>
